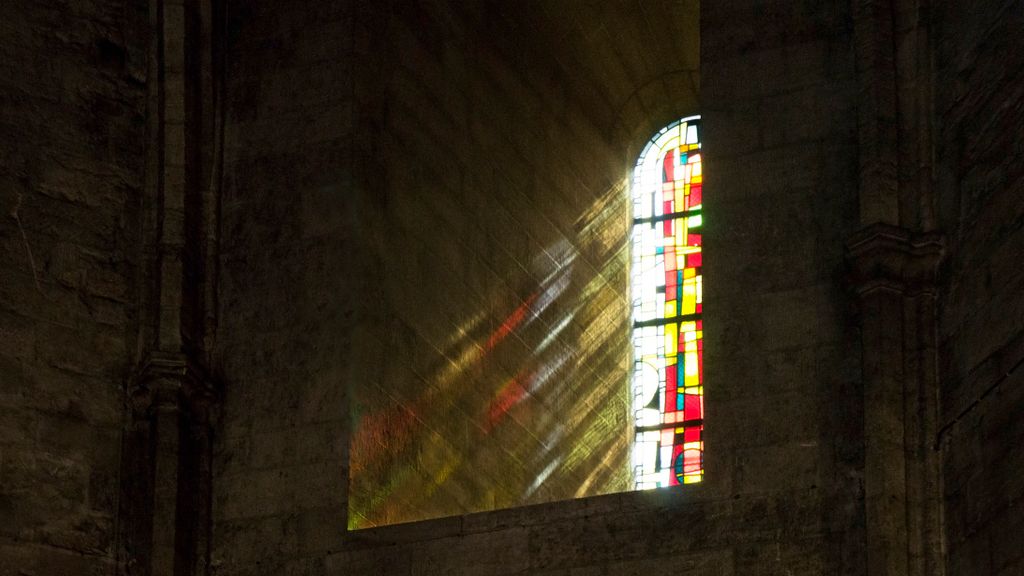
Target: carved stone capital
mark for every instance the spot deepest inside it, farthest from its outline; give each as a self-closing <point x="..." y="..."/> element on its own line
<point x="886" y="257"/>
<point x="169" y="381"/>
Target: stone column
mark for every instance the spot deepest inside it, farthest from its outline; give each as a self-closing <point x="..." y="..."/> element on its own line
<point x="165" y="484"/>
<point x="171" y="404"/>
<point x="894" y="259"/>
<point x="895" y="277"/>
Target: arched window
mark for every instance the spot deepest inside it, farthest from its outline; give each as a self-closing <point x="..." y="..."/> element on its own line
<point x="666" y="285"/>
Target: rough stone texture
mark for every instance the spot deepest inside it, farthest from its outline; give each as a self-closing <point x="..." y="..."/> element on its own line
<point x="288" y="280"/>
<point x="980" y="108"/>
<point x="402" y="177"/>
<point x="72" y="121"/>
<point x="415" y="191"/>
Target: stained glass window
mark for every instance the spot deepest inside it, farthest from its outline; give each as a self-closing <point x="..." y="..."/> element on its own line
<point x="668" y="327"/>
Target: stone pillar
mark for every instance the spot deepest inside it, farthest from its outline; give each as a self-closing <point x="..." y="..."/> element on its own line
<point x="165" y="485"/>
<point x="894" y="259"/>
<point x="895" y="277"/>
<point x="171" y="405"/>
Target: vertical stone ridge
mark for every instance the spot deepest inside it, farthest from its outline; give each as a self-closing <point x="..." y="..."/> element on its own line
<point x="894" y="259"/>
<point x="895" y="280"/>
<point x="172" y="399"/>
<point x="877" y="109"/>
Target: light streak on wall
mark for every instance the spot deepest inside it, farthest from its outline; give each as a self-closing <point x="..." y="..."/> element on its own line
<point x="524" y="400"/>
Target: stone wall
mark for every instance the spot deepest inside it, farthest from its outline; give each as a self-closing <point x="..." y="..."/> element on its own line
<point x="493" y="328"/>
<point x="980" y="108"/>
<point x="286" y="287"/>
<point x="422" y="259"/>
<point x="400" y="178"/>
<point x="72" y="125"/>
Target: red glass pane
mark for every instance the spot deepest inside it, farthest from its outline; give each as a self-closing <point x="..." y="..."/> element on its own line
<point x="671" y="382"/>
<point x="695" y="195"/>
<point x="700" y="362"/>
<point x="670" y="278"/>
<point x="668" y="173"/>
<point x="692" y="410"/>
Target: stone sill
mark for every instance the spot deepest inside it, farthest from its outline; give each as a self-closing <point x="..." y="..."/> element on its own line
<point x="525" y="516"/>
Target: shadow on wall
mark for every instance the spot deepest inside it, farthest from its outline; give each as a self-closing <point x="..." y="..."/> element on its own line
<point x="525" y="400"/>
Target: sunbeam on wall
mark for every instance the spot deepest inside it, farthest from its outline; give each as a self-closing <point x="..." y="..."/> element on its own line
<point x="523" y="396"/>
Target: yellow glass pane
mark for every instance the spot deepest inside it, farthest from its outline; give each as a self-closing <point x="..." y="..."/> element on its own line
<point x="681" y="232"/>
<point x="689" y="298"/>
<point x="670" y="340"/>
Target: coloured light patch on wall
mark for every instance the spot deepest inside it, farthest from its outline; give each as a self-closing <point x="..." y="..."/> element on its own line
<point x="666" y="285"/>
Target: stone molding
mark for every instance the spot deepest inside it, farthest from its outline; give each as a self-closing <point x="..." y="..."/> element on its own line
<point x="172" y="381"/>
<point x="886" y="257"/>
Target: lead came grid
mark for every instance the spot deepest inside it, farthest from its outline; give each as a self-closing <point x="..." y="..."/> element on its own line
<point x="668" y="327"/>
